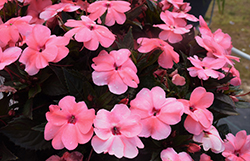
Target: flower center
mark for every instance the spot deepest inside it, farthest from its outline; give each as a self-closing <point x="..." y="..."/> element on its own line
<point x="115" y="131"/>
<point x="192" y="109"/>
<point x="92" y="27"/>
<point x="237" y="153"/>
<point x="108" y="5"/>
<point x="72" y="120"/>
<point x="116" y="67"/>
<point x="155" y="111"/>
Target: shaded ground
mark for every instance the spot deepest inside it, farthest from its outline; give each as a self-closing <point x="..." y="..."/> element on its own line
<point x="236" y="22"/>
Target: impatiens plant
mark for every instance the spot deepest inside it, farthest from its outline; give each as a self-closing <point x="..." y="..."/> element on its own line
<point x="115" y="80"/>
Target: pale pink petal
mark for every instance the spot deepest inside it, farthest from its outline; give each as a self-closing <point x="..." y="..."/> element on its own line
<point x="57" y="140"/>
<point x="84" y="138"/>
<point x="192" y="126"/>
<point x="159" y="130"/>
<point x="69" y="142"/>
<point x="93" y="43"/>
<point x="85" y="120"/>
<point x="126" y="126"/>
<point x="130" y="150"/>
<point x="50" y="131"/>
<point x="129" y="77"/>
<point x="41" y="35"/>
<point x="83" y="35"/>
<point x="120" y="56"/>
<point x="102" y="78"/>
<point x="100" y="145"/>
<point x="116" y="85"/>
<point x="240" y="139"/>
<point x="117" y="147"/>
<point x="103" y="134"/>
<point x="200" y="98"/>
<point x="158" y="96"/>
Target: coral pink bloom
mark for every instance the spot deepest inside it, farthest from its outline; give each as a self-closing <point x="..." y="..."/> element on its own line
<point x="217" y="44"/>
<point x="157" y="112"/>
<point x="42" y="49"/>
<point x="206" y="68"/>
<point x="69" y="123"/>
<point x="177" y="79"/>
<point x="10" y="55"/>
<point x="83" y="4"/>
<point x="2" y="2"/>
<point x="170" y="154"/>
<point x="74" y="156"/>
<point x="35" y="8"/>
<point x="205" y="157"/>
<point x="199" y="118"/>
<point x="182" y="12"/>
<point x="168" y="55"/>
<point x="116" y="132"/>
<point x="115" y="70"/>
<point x="91" y="34"/>
<point x="115" y="11"/>
<point x="237" y="147"/>
<point x="51" y="11"/>
<point x="210" y="139"/>
<point x="236" y="81"/>
<point x="10" y="31"/>
<point x="173" y="27"/>
<point x="167" y="4"/>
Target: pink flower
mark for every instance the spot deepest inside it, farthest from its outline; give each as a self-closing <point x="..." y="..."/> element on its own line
<point x="116" y="132"/>
<point x="173" y="27"/>
<point x="167" y="4"/>
<point x="205" y="157"/>
<point x="210" y="139"/>
<point x="115" y="70"/>
<point x="115" y="11"/>
<point x="170" y="154"/>
<point x="217" y="44"/>
<point x="236" y="81"/>
<point x="2" y="2"/>
<point x="10" y="31"/>
<point x="42" y="49"/>
<point x="157" y="112"/>
<point x="74" y="156"/>
<point x="177" y="79"/>
<point x="10" y="55"/>
<point x="206" y="68"/>
<point x="83" y="4"/>
<point x="181" y="12"/>
<point x="168" y="55"/>
<point x="69" y="123"/>
<point x="35" y="8"/>
<point x="237" y="147"/>
<point x="52" y="10"/>
<point x="199" y="118"/>
<point x="89" y="33"/>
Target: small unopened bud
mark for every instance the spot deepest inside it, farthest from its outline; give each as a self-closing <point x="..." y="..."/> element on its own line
<point x="90" y="98"/>
<point x="124" y="101"/>
<point x="193" y="148"/>
<point x="11" y="112"/>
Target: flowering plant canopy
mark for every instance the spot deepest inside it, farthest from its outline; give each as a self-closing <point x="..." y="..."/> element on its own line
<point x="99" y="80"/>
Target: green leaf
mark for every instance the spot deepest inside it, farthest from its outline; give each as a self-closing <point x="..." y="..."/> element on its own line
<point x="134" y="13"/>
<point x="39" y="127"/>
<point x="34" y="91"/>
<point x="128" y="41"/>
<point x="6" y="154"/>
<point x="223" y="104"/>
<point x="74" y="81"/>
<point x="53" y="87"/>
<point x="19" y="132"/>
<point x="4" y="104"/>
<point x="151" y="5"/>
<point x="104" y="99"/>
<point x="27" y="109"/>
<point x="242" y="104"/>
